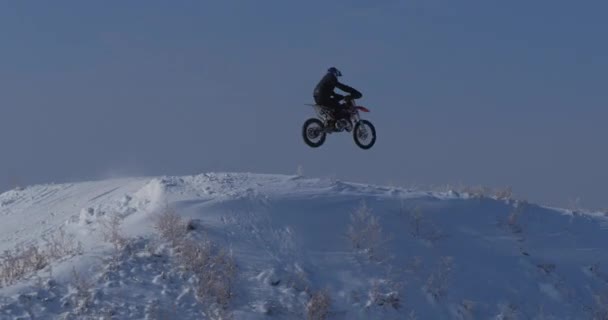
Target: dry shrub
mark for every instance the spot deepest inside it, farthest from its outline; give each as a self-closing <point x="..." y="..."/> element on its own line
<point x="60" y="244"/>
<point x="508" y="311"/>
<point x="112" y="232"/>
<point x="19" y="262"/>
<point x="422" y="227"/>
<point x="215" y="278"/>
<point x="599" y="310"/>
<point x="213" y="267"/>
<point x="365" y="232"/>
<point x="513" y="219"/>
<point x="505" y="193"/>
<point x="438" y="282"/>
<point x="318" y="306"/>
<point x="385" y="294"/>
<point x="171" y="226"/>
<point x="23" y="260"/>
<point x="82" y="297"/>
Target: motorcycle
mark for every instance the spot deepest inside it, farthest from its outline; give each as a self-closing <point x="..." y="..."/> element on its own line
<point x="315" y="130"/>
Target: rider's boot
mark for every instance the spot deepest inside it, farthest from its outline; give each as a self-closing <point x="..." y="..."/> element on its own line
<point x="348" y="126"/>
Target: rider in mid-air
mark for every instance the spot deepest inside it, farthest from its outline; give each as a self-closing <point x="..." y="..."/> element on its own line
<point x="324" y="94"/>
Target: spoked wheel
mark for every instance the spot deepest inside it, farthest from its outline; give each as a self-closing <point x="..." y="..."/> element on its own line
<point x="313" y="132"/>
<point x="364" y="134"/>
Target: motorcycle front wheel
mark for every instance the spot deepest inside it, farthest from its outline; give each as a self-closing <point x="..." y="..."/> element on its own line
<point x="364" y="134"/>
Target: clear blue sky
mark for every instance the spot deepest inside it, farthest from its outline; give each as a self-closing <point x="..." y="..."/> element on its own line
<point x="475" y="92"/>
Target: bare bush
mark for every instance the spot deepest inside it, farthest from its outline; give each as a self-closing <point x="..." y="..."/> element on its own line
<point x="24" y="260"/>
<point x="82" y="297"/>
<point x="194" y="255"/>
<point x="298" y="279"/>
<point x="213" y="268"/>
<point x="503" y="193"/>
<point x="513" y="220"/>
<point x="60" y="244"/>
<point x="171" y="226"/>
<point x="508" y="311"/>
<point x="153" y="248"/>
<point x="365" y="232"/>
<point x="36" y="258"/>
<point x="414" y="266"/>
<point x="112" y="232"/>
<point x="438" y="282"/>
<point x="546" y="268"/>
<point x="599" y="310"/>
<point x="318" y="307"/>
<point x="155" y="310"/>
<point x="465" y="310"/>
<point x="385" y="294"/>
<point x="476" y="191"/>
<point x="500" y="193"/>
<point x="215" y="271"/>
<point x="422" y="227"/>
<point x="19" y="262"/>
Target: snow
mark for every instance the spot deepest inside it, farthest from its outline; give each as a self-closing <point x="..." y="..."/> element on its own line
<point x="431" y="255"/>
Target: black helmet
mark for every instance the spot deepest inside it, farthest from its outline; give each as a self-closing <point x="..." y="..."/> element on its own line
<point x="334" y="71"/>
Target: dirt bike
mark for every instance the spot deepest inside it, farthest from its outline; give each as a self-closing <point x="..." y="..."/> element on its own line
<point x="315" y="130"/>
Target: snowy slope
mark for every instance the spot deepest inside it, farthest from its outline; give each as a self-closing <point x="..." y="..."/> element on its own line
<point x="431" y="255"/>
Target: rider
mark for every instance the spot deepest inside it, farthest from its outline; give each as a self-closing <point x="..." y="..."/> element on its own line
<point x="324" y="94"/>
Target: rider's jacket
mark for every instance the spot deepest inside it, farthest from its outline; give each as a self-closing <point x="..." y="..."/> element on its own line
<point x="325" y="89"/>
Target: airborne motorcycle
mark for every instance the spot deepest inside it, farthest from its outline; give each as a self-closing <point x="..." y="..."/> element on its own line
<point x="315" y="130"/>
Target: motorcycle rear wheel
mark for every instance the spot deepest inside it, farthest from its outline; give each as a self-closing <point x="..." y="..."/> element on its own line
<point x="313" y="132"/>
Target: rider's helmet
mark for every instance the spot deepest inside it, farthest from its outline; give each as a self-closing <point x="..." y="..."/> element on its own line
<point x="334" y="71"/>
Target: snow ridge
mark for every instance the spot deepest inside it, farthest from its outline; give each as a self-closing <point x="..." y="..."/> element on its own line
<point x="302" y="247"/>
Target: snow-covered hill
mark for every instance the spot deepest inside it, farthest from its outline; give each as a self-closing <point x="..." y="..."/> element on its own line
<point x="253" y="246"/>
